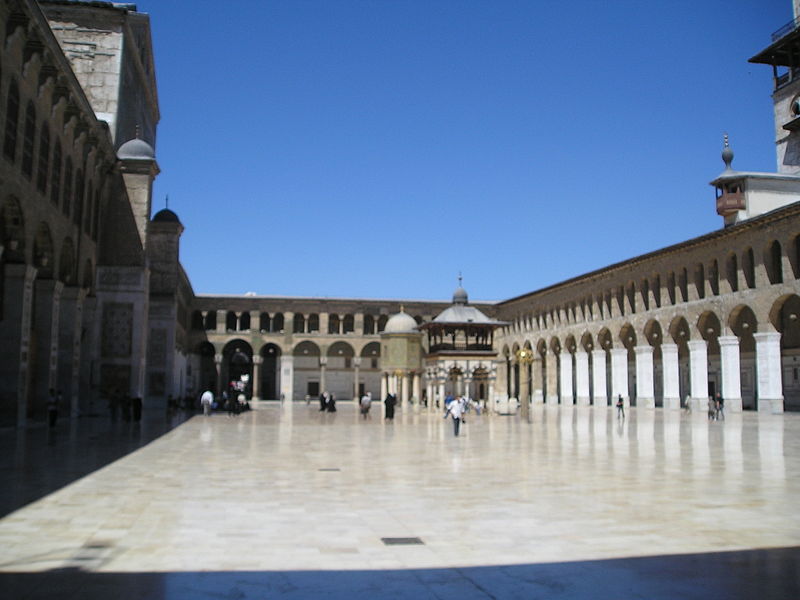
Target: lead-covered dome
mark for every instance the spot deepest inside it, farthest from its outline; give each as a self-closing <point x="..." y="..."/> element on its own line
<point x="401" y="322"/>
<point x="136" y="149"/>
<point x="165" y="215"/>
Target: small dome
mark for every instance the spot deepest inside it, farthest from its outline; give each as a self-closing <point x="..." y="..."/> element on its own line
<point x="401" y="323"/>
<point x="136" y="149"/>
<point x="165" y="215"/>
<point x="460" y="296"/>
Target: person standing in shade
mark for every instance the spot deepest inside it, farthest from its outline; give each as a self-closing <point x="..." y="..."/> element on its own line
<point x="389" y="402"/>
<point x="323" y="401"/>
<point x="720" y="407"/>
<point x="331" y="404"/>
<point x="207" y="399"/>
<point x="620" y="407"/>
<point x="52" y="408"/>
<point x="366" y="402"/>
<point x="455" y="410"/>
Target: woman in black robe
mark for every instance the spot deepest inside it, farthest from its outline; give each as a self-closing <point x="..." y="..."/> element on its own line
<point x="389" y="403"/>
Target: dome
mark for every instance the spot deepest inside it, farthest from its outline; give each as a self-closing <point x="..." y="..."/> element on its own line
<point x="136" y="149"/>
<point x="165" y="215"/>
<point x="401" y="323"/>
<point x="460" y="296"/>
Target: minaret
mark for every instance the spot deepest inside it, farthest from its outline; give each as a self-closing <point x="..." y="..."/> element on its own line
<point x="784" y="55"/>
<point x="139" y="169"/>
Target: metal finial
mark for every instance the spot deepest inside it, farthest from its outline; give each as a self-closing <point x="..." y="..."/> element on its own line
<point x="166" y="201"/>
<point x="137" y="131"/>
<point x="459" y="279"/>
<point x="402" y="308"/>
<point x="727" y="154"/>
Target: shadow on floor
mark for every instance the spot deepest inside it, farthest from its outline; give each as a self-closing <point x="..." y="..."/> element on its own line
<point x="36" y="461"/>
<point x="763" y="574"/>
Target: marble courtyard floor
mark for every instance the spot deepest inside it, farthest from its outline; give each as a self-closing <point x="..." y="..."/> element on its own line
<point x="287" y="502"/>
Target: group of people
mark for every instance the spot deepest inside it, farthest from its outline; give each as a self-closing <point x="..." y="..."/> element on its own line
<point x="716" y="408"/>
<point x="389" y="403"/>
<point x="233" y="403"/>
<point x="131" y="408"/>
<point x="327" y="402"/>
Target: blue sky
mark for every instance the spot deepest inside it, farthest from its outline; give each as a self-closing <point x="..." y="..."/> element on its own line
<point x="375" y="149"/>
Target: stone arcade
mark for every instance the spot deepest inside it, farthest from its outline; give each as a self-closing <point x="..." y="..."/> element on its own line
<point x="95" y="301"/>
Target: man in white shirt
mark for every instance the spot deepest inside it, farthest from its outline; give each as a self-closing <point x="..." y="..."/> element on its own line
<point x="207" y="399"/>
<point x="456" y="410"/>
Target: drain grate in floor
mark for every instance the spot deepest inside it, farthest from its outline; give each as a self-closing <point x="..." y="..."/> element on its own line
<point x="332" y="469"/>
<point x="408" y="541"/>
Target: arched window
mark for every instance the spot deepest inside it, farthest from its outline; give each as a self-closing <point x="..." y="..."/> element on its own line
<point x="244" y="321"/>
<point x="12" y="122"/>
<point x="382" y="322"/>
<point x="349" y="324"/>
<point x="43" y="167"/>
<point x="55" y="174"/>
<point x="700" y="280"/>
<point x="313" y="323"/>
<point x="749" y="268"/>
<point x="683" y="285"/>
<point x="299" y="325"/>
<point x="732" y="272"/>
<point x="772" y="261"/>
<point x="87" y="221"/>
<point x="796" y="265"/>
<point x="369" y="325"/>
<point x="713" y="277"/>
<point x="230" y="321"/>
<point x="277" y="322"/>
<point x="66" y="200"/>
<point x="28" y="137"/>
<point x="80" y="190"/>
<point x="211" y="320"/>
<point x="333" y="323"/>
<point x="264" y="318"/>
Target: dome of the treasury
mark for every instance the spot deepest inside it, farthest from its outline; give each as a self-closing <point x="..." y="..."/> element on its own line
<point x="136" y="149"/>
<point x="401" y="322"/>
<point x="460" y="296"/>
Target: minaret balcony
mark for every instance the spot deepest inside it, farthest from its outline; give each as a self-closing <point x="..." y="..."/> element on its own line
<point x="730" y="202"/>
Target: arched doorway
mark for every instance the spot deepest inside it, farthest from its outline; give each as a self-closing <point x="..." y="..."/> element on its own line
<point x="270" y="372"/>
<point x="207" y="371"/>
<point x="237" y="367"/>
<point x="785" y="317"/>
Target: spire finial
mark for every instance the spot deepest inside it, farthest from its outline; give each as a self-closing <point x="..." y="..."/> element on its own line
<point x="137" y="131"/>
<point x="459" y="279"/>
<point x="727" y="154"/>
<point x="402" y="308"/>
<point x="166" y="201"/>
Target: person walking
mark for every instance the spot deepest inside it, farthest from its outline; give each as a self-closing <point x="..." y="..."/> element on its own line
<point x="366" y="402"/>
<point x="323" y="401"/>
<point x="389" y="402"/>
<point x="712" y="409"/>
<point x="455" y="410"/>
<point x="206" y="400"/>
<point x="720" y="407"/>
<point x="620" y="407"/>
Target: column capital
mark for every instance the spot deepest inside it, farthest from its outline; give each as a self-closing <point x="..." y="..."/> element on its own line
<point x="323" y="360"/>
<point x="697" y="344"/>
<point x="728" y="340"/>
<point x="644" y="349"/>
<point x="218" y="359"/>
<point x="258" y="359"/>
<point x="356" y="361"/>
<point x="767" y="336"/>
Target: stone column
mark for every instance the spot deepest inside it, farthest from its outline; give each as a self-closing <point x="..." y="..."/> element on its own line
<point x="502" y="369"/>
<point x="731" y="372"/>
<point x="69" y="344"/>
<point x="356" y="366"/>
<point x="384" y="386"/>
<point x="671" y="372"/>
<point x="490" y="395"/>
<point x="599" y="378"/>
<point x="46" y="325"/>
<point x="524" y="392"/>
<point x="619" y="376"/>
<point x="218" y="367"/>
<point x="15" y="333"/>
<point x="537" y="385"/>
<point x="441" y="393"/>
<point x="550" y="365"/>
<point x="287" y="377"/>
<point x="257" y="362"/>
<point x="405" y="397"/>
<point x="698" y="374"/>
<point x="222" y="317"/>
<point x="645" y="388"/>
<point x="416" y="392"/>
<point x="323" y="363"/>
<point x="582" y="377"/>
<point x="566" y="378"/>
<point x="429" y="392"/>
<point x="769" y="390"/>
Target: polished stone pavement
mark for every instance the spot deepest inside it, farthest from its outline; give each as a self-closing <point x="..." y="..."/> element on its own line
<point x="287" y="502"/>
